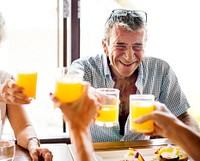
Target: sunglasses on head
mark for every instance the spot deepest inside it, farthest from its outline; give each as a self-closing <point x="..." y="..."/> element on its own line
<point x="118" y="13"/>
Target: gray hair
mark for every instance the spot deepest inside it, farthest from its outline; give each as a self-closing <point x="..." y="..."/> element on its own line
<point x="2" y="28"/>
<point x="131" y="20"/>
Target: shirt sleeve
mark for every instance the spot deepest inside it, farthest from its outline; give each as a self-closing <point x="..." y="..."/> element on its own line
<point x="172" y="95"/>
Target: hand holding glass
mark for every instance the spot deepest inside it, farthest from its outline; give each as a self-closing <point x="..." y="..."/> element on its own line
<point x="141" y="105"/>
<point x="68" y="87"/>
<point x="28" y="80"/>
<point x="7" y="147"/>
<point x="108" y="115"/>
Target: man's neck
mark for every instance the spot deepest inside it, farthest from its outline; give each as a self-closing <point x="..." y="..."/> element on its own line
<point x="127" y="87"/>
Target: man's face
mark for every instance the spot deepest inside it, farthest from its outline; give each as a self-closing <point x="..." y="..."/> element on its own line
<point x="125" y="51"/>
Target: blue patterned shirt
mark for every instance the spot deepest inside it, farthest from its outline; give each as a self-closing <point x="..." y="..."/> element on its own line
<point x="155" y="76"/>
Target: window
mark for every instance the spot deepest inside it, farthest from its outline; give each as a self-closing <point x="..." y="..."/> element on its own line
<point x="33" y="40"/>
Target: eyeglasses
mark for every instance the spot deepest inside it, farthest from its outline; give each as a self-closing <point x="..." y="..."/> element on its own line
<point x="118" y="13"/>
<point x="124" y="47"/>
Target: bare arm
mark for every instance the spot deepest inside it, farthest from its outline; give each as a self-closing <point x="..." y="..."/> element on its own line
<point x="25" y="133"/>
<point x="189" y="139"/>
<point x="190" y="121"/>
<point x="82" y="143"/>
<point x="79" y="115"/>
<point x="20" y="124"/>
<point x="167" y="125"/>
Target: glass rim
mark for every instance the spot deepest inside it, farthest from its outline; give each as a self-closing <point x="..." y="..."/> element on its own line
<point x="69" y="71"/>
<point x="110" y="90"/>
<point x="9" y="136"/>
<point x="142" y="96"/>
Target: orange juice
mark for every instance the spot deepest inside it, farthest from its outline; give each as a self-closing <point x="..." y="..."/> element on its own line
<point x="138" y="109"/>
<point x="29" y="82"/>
<point x="109" y="113"/>
<point x="68" y="92"/>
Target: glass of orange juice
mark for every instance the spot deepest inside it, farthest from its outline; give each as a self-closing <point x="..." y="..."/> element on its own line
<point x="108" y="115"/>
<point x="69" y="84"/>
<point x="27" y="78"/>
<point x="141" y="104"/>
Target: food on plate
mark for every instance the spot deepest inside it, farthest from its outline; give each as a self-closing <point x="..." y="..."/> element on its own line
<point x="170" y="153"/>
<point x="133" y="155"/>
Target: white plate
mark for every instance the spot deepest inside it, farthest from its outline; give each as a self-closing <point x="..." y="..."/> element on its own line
<point x="118" y="155"/>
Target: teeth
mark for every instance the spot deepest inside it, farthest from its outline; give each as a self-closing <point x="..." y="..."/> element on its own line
<point x="126" y="64"/>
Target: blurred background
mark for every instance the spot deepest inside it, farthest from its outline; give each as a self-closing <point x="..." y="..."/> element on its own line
<point x="35" y="38"/>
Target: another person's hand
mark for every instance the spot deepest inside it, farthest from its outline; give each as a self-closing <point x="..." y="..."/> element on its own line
<point x="41" y="154"/>
<point x="164" y="120"/>
<point x="80" y="113"/>
<point x="11" y="93"/>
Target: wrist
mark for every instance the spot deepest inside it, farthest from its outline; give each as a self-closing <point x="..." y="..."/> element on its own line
<point x="33" y="143"/>
<point x="76" y="126"/>
<point x="177" y="126"/>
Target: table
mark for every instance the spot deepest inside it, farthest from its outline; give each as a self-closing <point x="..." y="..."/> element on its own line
<point x="114" y="151"/>
<point x="114" y="148"/>
<point x="124" y="145"/>
<point x="60" y="152"/>
<point x="120" y="145"/>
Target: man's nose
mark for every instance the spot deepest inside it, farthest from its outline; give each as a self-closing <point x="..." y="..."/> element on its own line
<point x="130" y="53"/>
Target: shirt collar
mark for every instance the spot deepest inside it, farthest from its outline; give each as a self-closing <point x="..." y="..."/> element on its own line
<point x="140" y="78"/>
<point x="106" y="65"/>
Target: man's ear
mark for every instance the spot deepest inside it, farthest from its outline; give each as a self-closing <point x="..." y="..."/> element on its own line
<point x="105" y="47"/>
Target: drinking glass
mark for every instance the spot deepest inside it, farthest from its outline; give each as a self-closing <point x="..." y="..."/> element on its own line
<point x="69" y="84"/>
<point x="108" y="115"/>
<point x="140" y="105"/>
<point x="27" y="78"/>
<point x="7" y="147"/>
